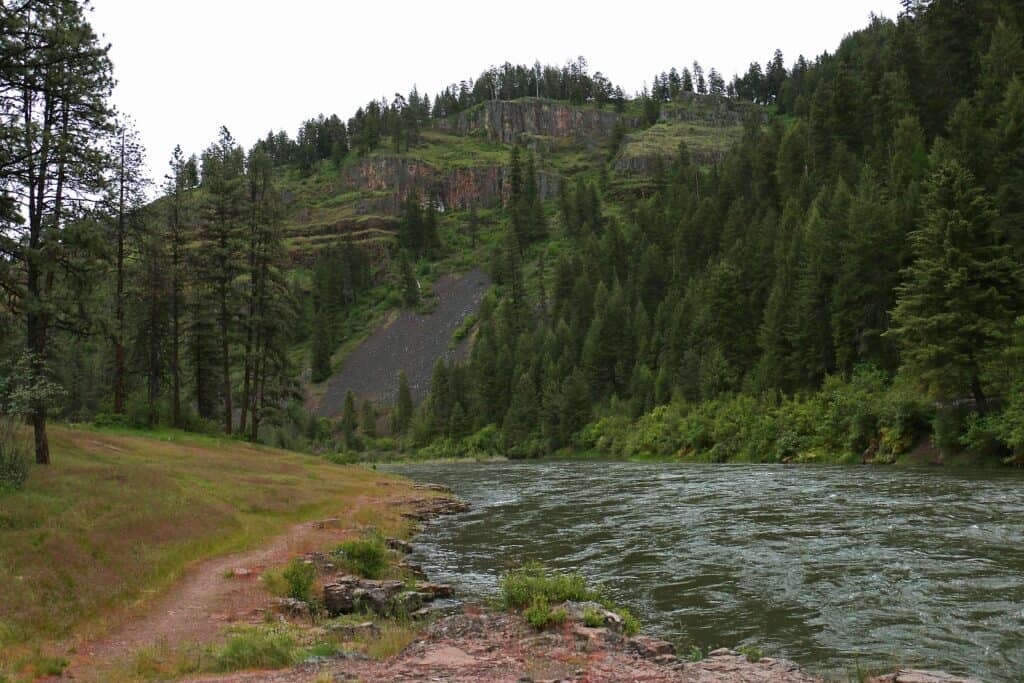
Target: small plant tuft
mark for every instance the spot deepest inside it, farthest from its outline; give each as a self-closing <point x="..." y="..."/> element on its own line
<point x="255" y="648"/>
<point x="540" y="615"/>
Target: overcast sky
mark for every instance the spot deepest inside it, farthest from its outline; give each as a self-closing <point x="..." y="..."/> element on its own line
<point x="185" y="67"/>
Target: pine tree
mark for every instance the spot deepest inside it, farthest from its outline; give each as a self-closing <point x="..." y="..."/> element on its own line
<point x="321" y="349"/>
<point x="54" y="119"/>
<point x="349" y="420"/>
<point x="368" y="419"/>
<point x="961" y="293"/>
<point x="402" y="415"/>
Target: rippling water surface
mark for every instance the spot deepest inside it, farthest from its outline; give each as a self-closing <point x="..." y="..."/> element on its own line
<point x="833" y="567"/>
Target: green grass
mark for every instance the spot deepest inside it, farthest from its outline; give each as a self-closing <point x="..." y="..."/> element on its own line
<point x="254" y="648"/>
<point x="120" y="514"/>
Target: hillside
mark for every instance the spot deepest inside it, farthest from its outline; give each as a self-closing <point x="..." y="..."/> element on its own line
<point x="462" y="161"/>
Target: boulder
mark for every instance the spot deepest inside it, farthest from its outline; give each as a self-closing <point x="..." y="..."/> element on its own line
<point x="648" y="647"/>
<point x="577" y="610"/>
<point x="366" y="629"/>
<point x="339" y="598"/>
<point x="438" y="608"/>
<point x="435" y="590"/>
<point x="399" y="545"/>
<point x="290" y="607"/>
<point x="921" y="676"/>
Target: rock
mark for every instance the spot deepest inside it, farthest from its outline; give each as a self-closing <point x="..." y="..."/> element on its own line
<point x="921" y="676"/>
<point x="339" y="598"/>
<point x="399" y="545"/>
<point x="323" y="562"/>
<point x="290" y="607"/>
<point x="367" y="629"/>
<point x="435" y="590"/>
<point x="438" y="608"/>
<point x="648" y="647"/>
<point x="447" y="656"/>
<point x="577" y="611"/>
<point x="427" y="508"/>
<point x="592" y="639"/>
<point x="406" y="603"/>
<point x="413" y="568"/>
<point x="427" y="486"/>
<point x="531" y="121"/>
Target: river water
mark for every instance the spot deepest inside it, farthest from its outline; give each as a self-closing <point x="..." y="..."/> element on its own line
<point x="833" y="567"/>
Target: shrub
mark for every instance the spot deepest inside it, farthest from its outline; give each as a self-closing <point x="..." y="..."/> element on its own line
<point x="367" y="556"/>
<point x="540" y="615"/>
<point x="753" y="654"/>
<point x="255" y="648"/>
<point x="521" y="588"/>
<point x="299" y="576"/>
<point x="15" y="456"/>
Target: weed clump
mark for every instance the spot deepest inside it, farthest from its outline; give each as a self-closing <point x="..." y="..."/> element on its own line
<point x="254" y="648"/>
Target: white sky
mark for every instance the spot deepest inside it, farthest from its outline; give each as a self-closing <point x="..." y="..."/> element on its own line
<point x="184" y="67"/>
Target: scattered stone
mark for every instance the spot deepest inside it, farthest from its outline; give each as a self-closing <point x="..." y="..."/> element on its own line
<point x="367" y="629"/>
<point x="399" y="545"/>
<point x="440" y="488"/>
<point x="413" y="568"/>
<point x="649" y="647"/>
<point x="438" y="608"/>
<point x="290" y="607"/>
<point x="323" y="562"/>
<point x="435" y="590"/>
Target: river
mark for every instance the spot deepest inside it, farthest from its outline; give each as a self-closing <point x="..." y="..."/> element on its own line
<point x="832" y="567"/>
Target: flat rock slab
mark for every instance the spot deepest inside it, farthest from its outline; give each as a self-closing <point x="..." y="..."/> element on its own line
<point x="447" y="656"/>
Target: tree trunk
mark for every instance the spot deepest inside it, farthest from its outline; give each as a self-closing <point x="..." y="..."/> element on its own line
<point x="119" y="295"/>
<point x="225" y="357"/>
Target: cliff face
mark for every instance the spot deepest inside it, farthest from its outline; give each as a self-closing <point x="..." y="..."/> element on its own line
<point x="484" y="186"/>
<point x="523" y="121"/>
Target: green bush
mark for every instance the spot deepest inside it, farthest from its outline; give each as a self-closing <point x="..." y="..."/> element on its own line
<point x="367" y="556"/>
<point x="299" y="576"/>
<point x="523" y="586"/>
<point x="254" y="648"/>
<point x="540" y="615"/>
<point x="593" y="618"/>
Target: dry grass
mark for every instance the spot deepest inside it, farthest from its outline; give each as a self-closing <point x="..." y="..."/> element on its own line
<point x="118" y="516"/>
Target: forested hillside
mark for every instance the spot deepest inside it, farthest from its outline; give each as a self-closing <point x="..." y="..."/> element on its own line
<point x="819" y="260"/>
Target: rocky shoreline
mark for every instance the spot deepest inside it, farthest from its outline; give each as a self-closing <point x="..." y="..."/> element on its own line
<point x="464" y="642"/>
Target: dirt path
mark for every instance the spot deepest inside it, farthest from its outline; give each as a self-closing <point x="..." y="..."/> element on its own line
<point x="215" y="593"/>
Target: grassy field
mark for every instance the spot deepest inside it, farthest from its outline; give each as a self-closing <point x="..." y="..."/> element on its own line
<point x="118" y="516"/>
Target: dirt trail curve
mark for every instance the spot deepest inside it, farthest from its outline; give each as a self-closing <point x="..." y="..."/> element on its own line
<point x="213" y="594"/>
